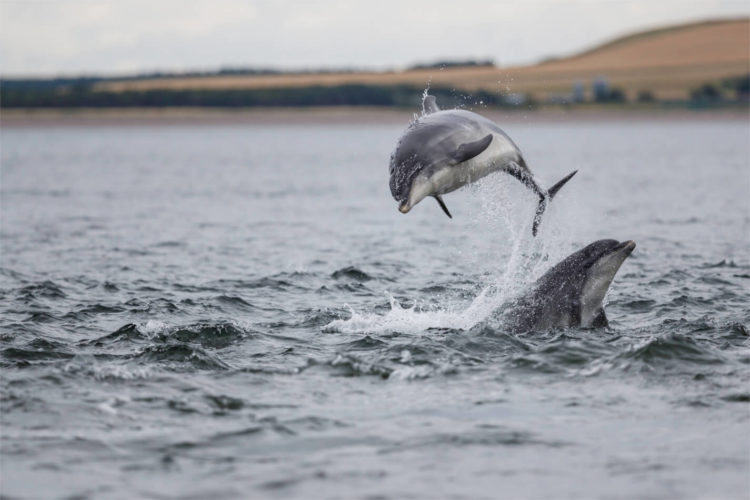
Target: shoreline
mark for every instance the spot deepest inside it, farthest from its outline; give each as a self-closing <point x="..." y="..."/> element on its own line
<point x="82" y="117"/>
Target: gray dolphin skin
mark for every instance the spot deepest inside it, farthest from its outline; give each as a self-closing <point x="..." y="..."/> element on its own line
<point x="570" y="294"/>
<point x="444" y="150"/>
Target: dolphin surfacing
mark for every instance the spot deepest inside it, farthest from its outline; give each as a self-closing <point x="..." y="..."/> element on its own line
<point x="444" y="150"/>
<point x="570" y="294"/>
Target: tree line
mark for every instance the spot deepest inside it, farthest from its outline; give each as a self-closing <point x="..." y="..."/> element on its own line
<point x="80" y="94"/>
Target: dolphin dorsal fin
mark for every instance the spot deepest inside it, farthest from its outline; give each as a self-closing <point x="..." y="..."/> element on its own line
<point x="429" y="104"/>
<point x="469" y="150"/>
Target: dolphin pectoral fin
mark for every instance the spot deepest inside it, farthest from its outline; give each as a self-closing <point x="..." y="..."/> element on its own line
<point x="469" y="150"/>
<point x="429" y="104"/>
<point x="442" y="205"/>
<point x="600" y="320"/>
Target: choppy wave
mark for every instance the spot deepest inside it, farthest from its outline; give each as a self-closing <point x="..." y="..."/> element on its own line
<point x="239" y="344"/>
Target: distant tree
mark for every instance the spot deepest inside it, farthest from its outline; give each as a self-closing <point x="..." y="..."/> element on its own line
<point x="455" y="64"/>
<point x="613" y="95"/>
<point x="617" y="95"/>
<point x="740" y="85"/>
<point x="81" y="95"/>
<point x="645" y="96"/>
<point x="707" y="92"/>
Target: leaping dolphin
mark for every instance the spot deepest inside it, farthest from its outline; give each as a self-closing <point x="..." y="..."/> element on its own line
<point x="444" y="150"/>
<point x="570" y="294"/>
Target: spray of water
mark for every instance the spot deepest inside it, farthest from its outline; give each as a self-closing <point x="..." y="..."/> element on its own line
<point x="425" y="93"/>
<point x="503" y="211"/>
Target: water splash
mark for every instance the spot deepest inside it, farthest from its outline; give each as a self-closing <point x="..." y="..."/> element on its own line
<point x="401" y="319"/>
<point x="507" y="256"/>
<point x="422" y="112"/>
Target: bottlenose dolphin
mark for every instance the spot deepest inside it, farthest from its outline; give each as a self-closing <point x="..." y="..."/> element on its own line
<point x="571" y="293"/>
<point x="444" y="150"/>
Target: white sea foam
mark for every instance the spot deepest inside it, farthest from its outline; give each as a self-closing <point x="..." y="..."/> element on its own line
<point x="107" y="371"/>
<point x="152" y="328"/>
<point x="399" y="319"/>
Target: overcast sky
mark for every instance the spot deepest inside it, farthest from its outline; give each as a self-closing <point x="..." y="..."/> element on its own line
<point x="70" y="37"/>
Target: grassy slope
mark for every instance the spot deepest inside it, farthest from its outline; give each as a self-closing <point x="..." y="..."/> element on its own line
<point x="668" y="61"/>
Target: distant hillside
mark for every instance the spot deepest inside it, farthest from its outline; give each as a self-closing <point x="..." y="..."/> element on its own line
<point x="700" y="64"/>
<point x="669" y="62"/>
<point x="681" y="29"/>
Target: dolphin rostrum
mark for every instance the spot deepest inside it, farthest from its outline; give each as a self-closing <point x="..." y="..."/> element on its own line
<point x="570" y="294"/>
<point x="444" y="150"/>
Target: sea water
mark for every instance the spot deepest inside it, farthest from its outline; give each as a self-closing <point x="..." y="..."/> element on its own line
<point x="225" y="311"/>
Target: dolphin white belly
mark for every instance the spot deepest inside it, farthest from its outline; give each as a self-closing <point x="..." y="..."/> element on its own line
<point x="496" y="157"/>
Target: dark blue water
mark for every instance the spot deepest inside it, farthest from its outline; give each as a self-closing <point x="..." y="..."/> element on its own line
<point x="241" y="311"/>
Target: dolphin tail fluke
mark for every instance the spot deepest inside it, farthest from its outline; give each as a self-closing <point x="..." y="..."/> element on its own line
<point x="554" y="189"/>
<point x="545" y="199"/>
